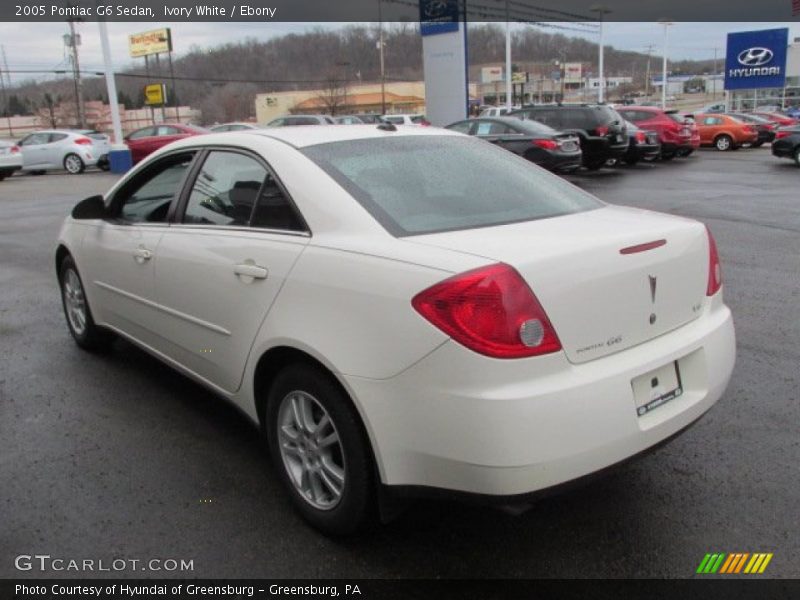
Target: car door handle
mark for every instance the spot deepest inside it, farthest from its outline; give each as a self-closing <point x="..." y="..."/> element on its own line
<point x="142" y="255"/>
<point x="250" y="270"/>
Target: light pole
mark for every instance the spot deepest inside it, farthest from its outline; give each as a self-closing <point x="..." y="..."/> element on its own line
<point x="666" y="25"/>
<point x="508" y="60"/>
<point x="601" y="10"/>
<point x="380" y="51"/>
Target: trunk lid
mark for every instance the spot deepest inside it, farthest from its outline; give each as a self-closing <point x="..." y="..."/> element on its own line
<point x="600" y="300"/>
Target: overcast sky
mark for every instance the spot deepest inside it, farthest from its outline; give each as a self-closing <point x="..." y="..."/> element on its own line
<point x="40" y="45"/>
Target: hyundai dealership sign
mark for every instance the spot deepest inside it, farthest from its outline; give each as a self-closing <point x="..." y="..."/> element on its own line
<point x="756" y="59"/>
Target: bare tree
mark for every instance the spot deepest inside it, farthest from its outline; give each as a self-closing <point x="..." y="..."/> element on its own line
<point x="333" y="96"/>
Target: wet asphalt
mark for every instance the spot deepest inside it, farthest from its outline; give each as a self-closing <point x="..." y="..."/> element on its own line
<point x="118" y="456"/>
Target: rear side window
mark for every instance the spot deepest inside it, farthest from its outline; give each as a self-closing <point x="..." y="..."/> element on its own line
<point x="146" y="132"/>
<point x="462" y="127"/>
<point x="57" y="137"/>
<point x="424" y="184"/>
<point x="491" y="128"/>
<point x="274" y="210"/>
<point x="225" y="190"/>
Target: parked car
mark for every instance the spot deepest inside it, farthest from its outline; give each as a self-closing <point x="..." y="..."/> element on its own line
<point x="643" y="145"/>
<point x="58" y="149"/>
<point x="497" y="111"/>
<point x="146" y="140"/>
<point x="459" y="321"/>
<point x="10" y="159"/>
<point x="787" y="143"/>
<point x="533" y="141"/>
<point x="776" y="117"/>
<point x="599" y="127"/>
<point x="765" y="128"/>
<point x="233" y="127"/>
<point x="793" y="112"/>
<point x="716" y="108"/>
<point x="405" y="119"/>
<point x="102" y="143"/>
<point x="674" y="131"/>
<point x="724" y="132"/>
<point x="291" y="120"/>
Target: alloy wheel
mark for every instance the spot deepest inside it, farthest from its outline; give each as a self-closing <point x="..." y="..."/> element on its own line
<point x="73" y="164"/>
<point x="75" y="302"/>
<point x="311" y="450"/>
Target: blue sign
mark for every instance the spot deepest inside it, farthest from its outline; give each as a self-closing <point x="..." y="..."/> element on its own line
<point x="438" y="16"/>
<point x="756" y="59"/>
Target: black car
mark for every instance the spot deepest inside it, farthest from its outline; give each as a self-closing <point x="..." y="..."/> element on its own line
<point x="787" y="143"/>
<point x="600" y="128"/>
<point x="766" y="129"/>
<point x="540" y="144"/>
<point x="643" y="145"/>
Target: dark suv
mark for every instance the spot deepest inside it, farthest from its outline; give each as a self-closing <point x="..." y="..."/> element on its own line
<point x="600" y="128"/>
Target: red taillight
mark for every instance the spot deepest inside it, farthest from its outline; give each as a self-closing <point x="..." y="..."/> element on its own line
<point x="602" y="130"/>
<point x="545" y="144"/>
<point x="14" y="149"/>
<point x="83" y="141"/>
<point x="641" y="138"/>
<point x="782" y="134"/>
<point x="714" y="267"/>
<point x="490" y="310"/>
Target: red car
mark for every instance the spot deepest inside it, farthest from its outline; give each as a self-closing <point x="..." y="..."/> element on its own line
<point x="678" y="136"/>
<point x="149" y="139"/>
<point x="778" y="118"/>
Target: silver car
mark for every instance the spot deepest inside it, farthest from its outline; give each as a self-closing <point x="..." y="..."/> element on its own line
<point x="62" y="149"/>
<point x="10" y="159"/>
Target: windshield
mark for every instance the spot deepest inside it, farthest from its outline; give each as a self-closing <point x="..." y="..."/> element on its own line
<point x="414" y="185"/>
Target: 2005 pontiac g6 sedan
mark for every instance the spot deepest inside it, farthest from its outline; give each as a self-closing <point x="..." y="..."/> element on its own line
<point x="404" y="310"/>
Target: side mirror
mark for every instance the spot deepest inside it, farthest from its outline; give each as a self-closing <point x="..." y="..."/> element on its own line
<point x="92" y="207"/>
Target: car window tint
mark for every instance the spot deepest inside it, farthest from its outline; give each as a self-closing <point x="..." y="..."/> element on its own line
<point x="147" y="198"/>
<point x="274" y="209"/>
<point x="394" y="120"/>
<point x="146" y="132"/>
<point x="417" y="185"/>
<point x="35" y="139"/>
<point x="462" y="127"/>
<point x="57" y="137"/>
<point x="276" y="123"/>
<point x="167" y="130"/>
<point x="225" y="190"/>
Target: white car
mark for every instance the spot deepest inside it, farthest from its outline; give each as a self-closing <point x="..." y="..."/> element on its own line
<point x="10" y="159"/>
<point x="405" y="119"/>
<point x="232" y="127"/>
<point x="60" y="149"/>
<point x="404" y="311"/>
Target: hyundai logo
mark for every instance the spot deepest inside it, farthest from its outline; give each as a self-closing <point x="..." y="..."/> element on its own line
<point x="755" y="57"/>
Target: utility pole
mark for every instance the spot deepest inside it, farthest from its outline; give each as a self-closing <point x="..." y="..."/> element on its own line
<point x="73" y="40"/>
<point x="601" y="10"/>
<point x="380" y="51"/>
<point x="5" y="97"/>
<point x="649" y="48"/>
<point x="714" y="78"/>
<point x="509" y="92"/>
<point x="666" y="25"/>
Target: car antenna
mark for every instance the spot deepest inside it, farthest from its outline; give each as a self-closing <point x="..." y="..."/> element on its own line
<point x="387" y="127"/>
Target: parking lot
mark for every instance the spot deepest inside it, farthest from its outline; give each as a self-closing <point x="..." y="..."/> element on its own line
<point x="120" y="457"/>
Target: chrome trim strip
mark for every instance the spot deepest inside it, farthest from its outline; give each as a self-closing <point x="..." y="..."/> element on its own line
<point x="170" y="311"/>
<point x="244" y="228"/>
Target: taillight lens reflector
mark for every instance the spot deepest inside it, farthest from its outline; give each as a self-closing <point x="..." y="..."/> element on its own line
<point x="83" y="141"/>
<point x="714" y="267"/>
<point x="602" y="130"/>
<point x="545" y="144"/>
<point x="490" y="310"/>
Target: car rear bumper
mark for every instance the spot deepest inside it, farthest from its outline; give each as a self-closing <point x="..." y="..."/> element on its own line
<point x="562" y="161"/>
<point x="462" y="422"/>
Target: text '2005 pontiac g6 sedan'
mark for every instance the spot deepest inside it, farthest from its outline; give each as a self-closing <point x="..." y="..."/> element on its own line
<point x="404" y="310"/>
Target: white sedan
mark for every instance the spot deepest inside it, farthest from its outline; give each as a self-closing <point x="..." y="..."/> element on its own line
<point x="404" y="311"/>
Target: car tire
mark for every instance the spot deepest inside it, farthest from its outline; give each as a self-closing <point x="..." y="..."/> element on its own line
<point x="74" y="164"/>
<point x="3" y="176"/>
<point x="668" y="156"/>
<point x="77" y="312"/>
<point x="723" y="143"/>
<point x="331" y="485"/>
<point x="797" y="156"/>
<point x="756" y="144"/>
<point x="632" y="160"/>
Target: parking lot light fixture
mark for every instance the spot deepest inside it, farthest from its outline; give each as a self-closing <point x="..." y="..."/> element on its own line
<point x="601" y="10"/>
<point x="666" y="23"/>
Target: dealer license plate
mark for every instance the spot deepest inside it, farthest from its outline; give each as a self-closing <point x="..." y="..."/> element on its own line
<point x="656" y="388"/>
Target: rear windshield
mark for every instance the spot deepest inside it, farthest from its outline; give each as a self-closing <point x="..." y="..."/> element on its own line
<point x="676" y="117"/>
<point x="414" y="185"/>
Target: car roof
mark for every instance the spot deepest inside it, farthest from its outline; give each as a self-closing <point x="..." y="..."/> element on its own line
<point x="310" y="135"/>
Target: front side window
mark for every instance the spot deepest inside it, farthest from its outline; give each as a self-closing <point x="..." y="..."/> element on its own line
<point x="225" y="190"/>
<point x="425" y="184"/>
<point x="35" y="139"/>
<point x="491" y="128"/>
<point x="146" y="198"/>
